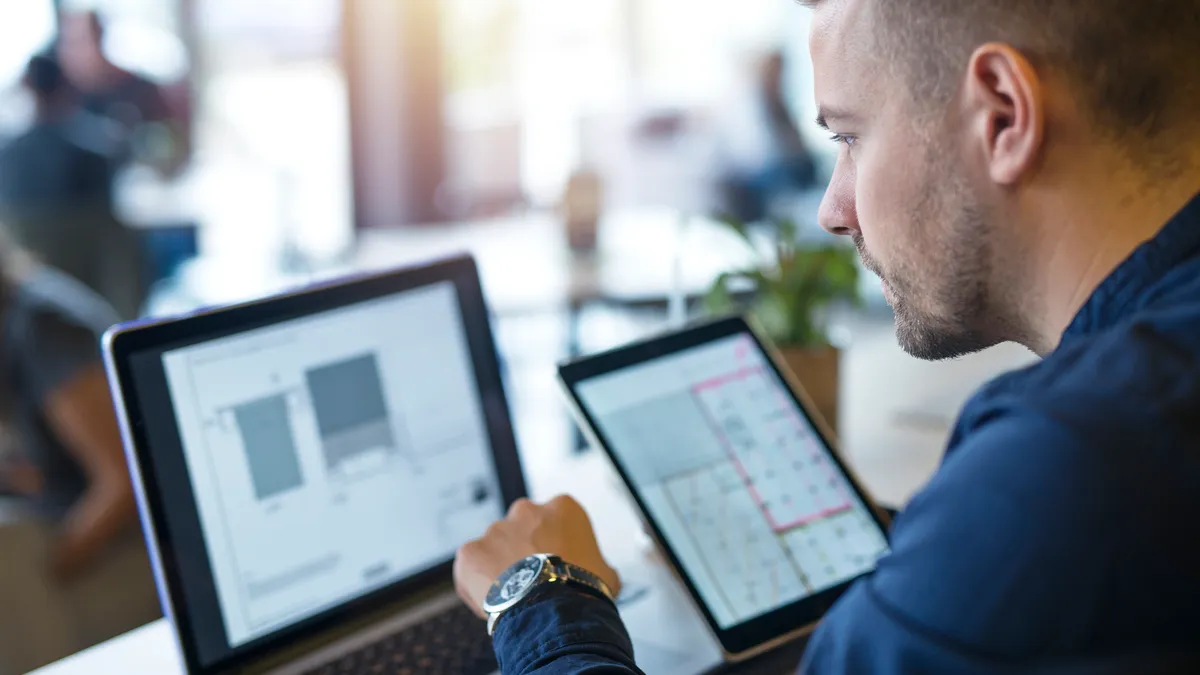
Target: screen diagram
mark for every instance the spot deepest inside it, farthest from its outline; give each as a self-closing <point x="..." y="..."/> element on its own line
<point x="345" y="400"/>
<point x="741" y="484"/>
<point x="352" y="415"/>
<point x="333" y="454"/>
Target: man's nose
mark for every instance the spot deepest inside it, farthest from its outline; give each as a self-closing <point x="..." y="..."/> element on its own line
<point x="838" y="213"/>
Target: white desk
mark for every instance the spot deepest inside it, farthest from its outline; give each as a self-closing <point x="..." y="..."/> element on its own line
<point x="145" y="651"/>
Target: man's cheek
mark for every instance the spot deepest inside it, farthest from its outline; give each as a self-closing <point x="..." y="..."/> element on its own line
<point x="873" y="210"/>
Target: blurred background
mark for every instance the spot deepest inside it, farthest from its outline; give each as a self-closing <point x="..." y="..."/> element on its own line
<point x="618" y="167"/>
<point x="304" y="123"/>
<point x="252" y="146"/>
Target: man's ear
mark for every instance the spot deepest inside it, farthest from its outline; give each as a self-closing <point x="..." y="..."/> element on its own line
<point x="1005" y="106"/>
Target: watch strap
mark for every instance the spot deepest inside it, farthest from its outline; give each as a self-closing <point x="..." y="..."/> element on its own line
<point x="561" y="572"/>
<point x="570" y="573"/>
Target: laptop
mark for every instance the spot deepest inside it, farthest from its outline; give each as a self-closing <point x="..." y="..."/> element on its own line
<point x="307" y="465"/>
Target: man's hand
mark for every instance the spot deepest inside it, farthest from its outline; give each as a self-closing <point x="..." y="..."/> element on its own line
<point x="560" y="527"/>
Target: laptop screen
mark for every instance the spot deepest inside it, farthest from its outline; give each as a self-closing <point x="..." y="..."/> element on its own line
<point x="329" y="456"/>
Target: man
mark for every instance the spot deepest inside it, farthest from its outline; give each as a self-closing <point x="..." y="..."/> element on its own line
<point x="766" y="156"/>
<point x="64" y="156"/>
<point x="153" y="127"/>
<point x="56" y="192"/>
<point x="1015" y="170"/>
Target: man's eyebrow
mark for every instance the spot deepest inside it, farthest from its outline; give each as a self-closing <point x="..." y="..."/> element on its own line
<point x="826" y="113"/>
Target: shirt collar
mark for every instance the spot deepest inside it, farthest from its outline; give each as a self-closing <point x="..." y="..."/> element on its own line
<point x="1136" y="277"/>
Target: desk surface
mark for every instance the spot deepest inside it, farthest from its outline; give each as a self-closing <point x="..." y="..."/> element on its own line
<point x="149" y="650"/>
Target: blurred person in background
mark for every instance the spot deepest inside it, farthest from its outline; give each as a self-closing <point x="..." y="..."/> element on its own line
<point x="74" y="569"/>
<point x="767" y="155"/>
<point x="56" y="191"/>
<point x="152" y="119"/>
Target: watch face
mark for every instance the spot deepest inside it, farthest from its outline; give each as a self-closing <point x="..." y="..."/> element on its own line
<point x="515" y="581"/>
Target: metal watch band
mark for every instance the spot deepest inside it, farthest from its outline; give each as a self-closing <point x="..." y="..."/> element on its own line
<point x="561" y="571"/>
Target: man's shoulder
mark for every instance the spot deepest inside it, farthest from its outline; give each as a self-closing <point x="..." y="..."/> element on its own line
<point x="1053" y="525"/>
<point x="1111" y="419"/>
<point x="1138" y="381"/>
<point x="1059" y="514"/>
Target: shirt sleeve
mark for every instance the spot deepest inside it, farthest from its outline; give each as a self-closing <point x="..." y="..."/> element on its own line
<point x="563" y="631"/>
<point x="1007" y="562"/>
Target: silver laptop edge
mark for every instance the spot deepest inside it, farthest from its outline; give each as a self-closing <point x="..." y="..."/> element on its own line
<point x="139" y="486"/>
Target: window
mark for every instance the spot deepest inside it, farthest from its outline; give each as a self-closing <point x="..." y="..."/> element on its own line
<point x="272" y="127"/>
<point x="25" y="27"/>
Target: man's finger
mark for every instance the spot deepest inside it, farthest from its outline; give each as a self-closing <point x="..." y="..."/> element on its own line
<point x="522" y="509"/>
<point x="566" y="504"/>
<point x="466" y="576"/>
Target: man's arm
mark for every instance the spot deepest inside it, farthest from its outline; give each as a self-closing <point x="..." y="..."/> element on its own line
<point x="559" y="630"/>
<point x="64" y="375"/>
<point x="81" y="414"/>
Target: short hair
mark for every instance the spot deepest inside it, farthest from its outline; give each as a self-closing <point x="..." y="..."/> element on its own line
<point x="44" y="76"/>
<point x="1133" y="66"/>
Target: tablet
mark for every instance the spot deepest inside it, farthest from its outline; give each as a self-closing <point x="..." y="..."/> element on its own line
<point x="735" y="477"/>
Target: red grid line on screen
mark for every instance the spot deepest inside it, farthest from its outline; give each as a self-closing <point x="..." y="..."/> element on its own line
<point x="802" y="426"/>
<point x="716" y="383"/>
<point x="722" y="380"/>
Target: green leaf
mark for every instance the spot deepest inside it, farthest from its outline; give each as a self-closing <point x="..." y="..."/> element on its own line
<point x="794" y="286"/>
<point x="737" y="227"/>
<point x="719" y="300"/>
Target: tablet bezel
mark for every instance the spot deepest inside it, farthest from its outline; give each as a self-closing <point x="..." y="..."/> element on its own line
<point x="781" y="625"/>
<point x="124" y="343"/>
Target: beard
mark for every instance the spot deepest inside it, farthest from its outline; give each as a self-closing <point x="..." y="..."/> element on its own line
<point x="939" y="294"/>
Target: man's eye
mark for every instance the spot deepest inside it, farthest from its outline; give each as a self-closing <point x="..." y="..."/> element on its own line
<point x="842" y="139"/>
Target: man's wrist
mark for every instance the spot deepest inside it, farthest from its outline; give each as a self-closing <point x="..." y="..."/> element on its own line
<point x="550" y="591"/>
<point x="531" y="573"/>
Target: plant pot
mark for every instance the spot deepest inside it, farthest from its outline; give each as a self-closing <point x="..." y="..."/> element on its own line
<point x="817" y="370"/>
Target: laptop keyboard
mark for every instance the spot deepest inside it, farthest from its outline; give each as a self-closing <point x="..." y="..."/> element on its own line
<point x="454" y="642"/>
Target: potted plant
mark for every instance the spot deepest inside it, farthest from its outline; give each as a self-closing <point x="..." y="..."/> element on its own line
<point x="789" y="289"/>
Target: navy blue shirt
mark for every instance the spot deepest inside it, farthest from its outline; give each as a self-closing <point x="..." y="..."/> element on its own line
<point x="1061" y="533"/>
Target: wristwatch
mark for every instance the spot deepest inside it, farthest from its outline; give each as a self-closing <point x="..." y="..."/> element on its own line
<point x="518" y="581"/>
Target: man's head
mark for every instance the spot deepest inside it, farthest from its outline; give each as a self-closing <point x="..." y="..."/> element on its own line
<point x="45" y="80"/>
<point x="962" y="121"/>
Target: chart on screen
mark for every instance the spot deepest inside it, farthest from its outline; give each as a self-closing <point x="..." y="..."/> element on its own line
<point x="744" y="485"/>
<point x="362" y="424"/>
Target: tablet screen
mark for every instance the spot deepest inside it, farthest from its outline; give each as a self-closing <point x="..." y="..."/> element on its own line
<point x="740" y="485"/>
